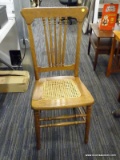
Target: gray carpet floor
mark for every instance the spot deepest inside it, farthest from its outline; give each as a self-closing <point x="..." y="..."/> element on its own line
<point x="17" y="133"/>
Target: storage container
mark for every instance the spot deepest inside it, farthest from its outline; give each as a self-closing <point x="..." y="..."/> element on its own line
<point x="14" y="81"/>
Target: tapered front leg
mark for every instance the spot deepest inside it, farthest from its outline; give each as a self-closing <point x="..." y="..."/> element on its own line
<point x="87" y="128"/>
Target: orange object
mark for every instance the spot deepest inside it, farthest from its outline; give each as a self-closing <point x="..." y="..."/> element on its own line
<point x="109" y="15"/>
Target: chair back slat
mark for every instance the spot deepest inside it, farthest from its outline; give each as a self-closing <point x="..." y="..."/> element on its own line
<point x="56" y="36"/>
<point x="51" y="43"/>
<point x="55" y="41"/>
<point x="46" y="41"/>
<point x="64" y="42"/>
<point x="59" y="43"/>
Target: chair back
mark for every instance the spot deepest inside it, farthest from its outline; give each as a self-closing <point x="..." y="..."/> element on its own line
<point x="55" y="36"/>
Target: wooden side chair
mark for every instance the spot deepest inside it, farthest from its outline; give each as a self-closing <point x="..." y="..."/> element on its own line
<point x="60" y="92"/>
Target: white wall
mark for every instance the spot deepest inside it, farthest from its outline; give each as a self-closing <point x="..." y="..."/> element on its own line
<point x="95" y="19"/>
<point x="21" y="27"/>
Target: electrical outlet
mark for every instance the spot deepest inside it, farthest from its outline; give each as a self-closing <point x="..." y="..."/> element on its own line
<point x="26" y="42"/>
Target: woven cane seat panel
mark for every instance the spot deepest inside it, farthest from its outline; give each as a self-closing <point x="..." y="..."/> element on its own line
<point x="60" y="89"/>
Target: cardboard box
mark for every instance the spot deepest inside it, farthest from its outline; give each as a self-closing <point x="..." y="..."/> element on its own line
<point x="3" y="16"/>
<point x="109" y="15"/>
<point x="14" y="81"/>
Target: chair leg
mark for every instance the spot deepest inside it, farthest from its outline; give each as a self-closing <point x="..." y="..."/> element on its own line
<point x="37" y="128"/>
<point x="95" y="60"/>
<point x="88" y="112"/>
<point x="89" y="45"/>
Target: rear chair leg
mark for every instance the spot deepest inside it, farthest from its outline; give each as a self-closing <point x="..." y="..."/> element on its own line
<point x="37" y="128"/>
<point x="87" y="128"/>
